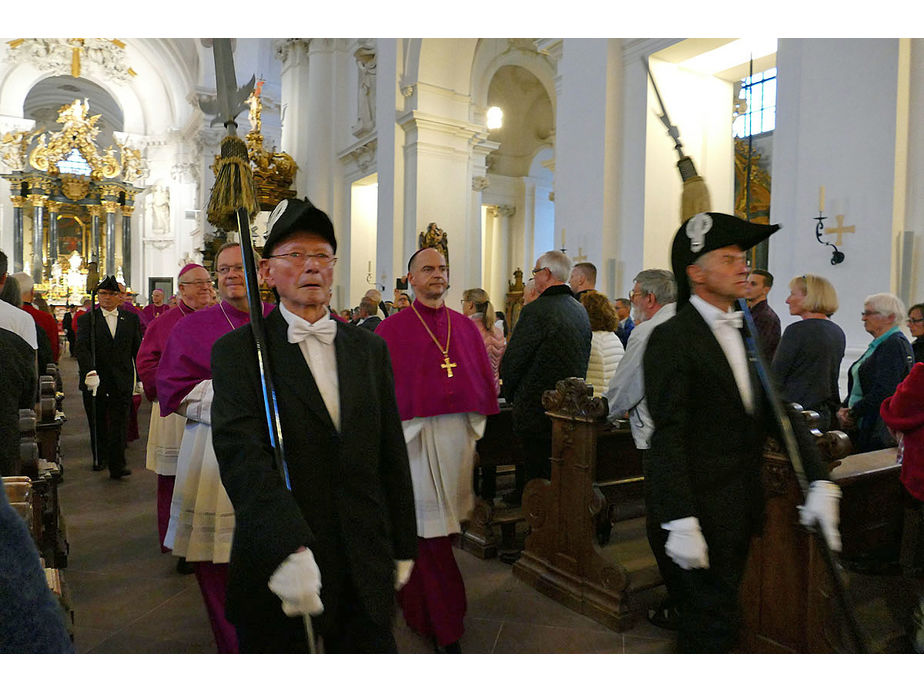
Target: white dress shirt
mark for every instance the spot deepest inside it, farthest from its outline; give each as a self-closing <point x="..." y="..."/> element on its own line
<point x="322" y="362"/>
<point x="729" y="338"/>
<point x="112" y="320"/>
<point x="19" y="321"/>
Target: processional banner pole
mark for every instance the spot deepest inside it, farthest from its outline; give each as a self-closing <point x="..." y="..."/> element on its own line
<point x="232" y="205"/>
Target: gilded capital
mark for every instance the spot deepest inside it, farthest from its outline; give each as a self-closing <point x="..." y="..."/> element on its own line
<point x="37" y="200"/>
<point x="95" y="210"/>
<point x="111" y="206"/>
<point x="53" y="206"/>
<point x="18" y="201"/>
<point x="127" y="211"/>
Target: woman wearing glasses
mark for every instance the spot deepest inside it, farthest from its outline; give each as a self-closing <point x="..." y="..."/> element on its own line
<point x="876" y="374"/>
<point x="807" y="362"/>
<point x="916" y="325"/>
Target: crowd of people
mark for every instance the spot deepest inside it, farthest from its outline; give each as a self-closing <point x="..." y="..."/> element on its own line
<point x="346" y="510"/>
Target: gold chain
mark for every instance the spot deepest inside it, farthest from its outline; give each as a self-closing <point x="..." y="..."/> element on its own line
<point x="445" y="351"/>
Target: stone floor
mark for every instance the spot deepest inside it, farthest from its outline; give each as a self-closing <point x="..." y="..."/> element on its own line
<point x="129" y="599"/>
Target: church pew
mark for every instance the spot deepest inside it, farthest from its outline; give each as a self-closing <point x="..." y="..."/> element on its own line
<point x="618" y="478"/>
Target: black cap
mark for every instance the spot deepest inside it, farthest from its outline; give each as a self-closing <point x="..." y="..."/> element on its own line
<point x="708" y="231"/>
<point x="297" y="215"/>
<point x="109" y="284"/>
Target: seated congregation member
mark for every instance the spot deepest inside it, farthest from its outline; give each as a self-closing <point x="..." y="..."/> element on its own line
<point x="201" y="520"/>
<point x="903" y="413"/>
<point x="916" y="327"/>
<point x="340" y="543"/>
<point x="477" y="305"/>
<point x="807" y="364"/>
<point x="606" y="349"/>
<point x="875" y="375"/>
<point x="710" y="422"/>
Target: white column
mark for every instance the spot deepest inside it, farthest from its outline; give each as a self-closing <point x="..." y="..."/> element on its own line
<point x="390" y="260"/>
<point x="293" y="54"/>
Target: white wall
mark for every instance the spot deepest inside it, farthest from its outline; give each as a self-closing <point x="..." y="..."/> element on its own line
<point x="836" y="126"/>
<point x="362" y="243"/>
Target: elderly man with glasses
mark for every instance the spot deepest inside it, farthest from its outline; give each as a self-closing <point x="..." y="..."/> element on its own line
<point x="550" y="341"/>
<point x="166" y="433"/>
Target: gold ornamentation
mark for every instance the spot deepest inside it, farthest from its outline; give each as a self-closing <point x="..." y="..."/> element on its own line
<point x="37" y="200"/>
<point x="18" y="201"/>
<point x="75" y="187"/>
<point x="111" y="206"/>
<point x="273" y="172"/>
<point x="435" y="237"/>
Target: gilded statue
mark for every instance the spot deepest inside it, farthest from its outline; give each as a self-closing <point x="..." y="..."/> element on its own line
<point x="435" y="237"/>
<point x="273" y="171"/>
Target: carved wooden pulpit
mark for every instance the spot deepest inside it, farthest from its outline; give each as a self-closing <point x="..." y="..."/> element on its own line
<point x="560" y="558"/>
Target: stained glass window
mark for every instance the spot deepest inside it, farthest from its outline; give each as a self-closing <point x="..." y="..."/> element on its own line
<point x="760" y="115"/>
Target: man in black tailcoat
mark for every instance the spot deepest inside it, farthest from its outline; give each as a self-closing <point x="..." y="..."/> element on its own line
<point x="711" y="417"/>
<point x="109" y="382"/>
<point x="342" y="541"/>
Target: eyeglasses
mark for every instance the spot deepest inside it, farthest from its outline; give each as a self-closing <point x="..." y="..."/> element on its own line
<point x="537" y="270"/>
<point x="200" y="282"/>
<point x="634" y="293"/>
<point x="223" y="270"/>
<point x="915" y="321"/>
<point x="867" y="313"/>
<point x="323" y="259"/>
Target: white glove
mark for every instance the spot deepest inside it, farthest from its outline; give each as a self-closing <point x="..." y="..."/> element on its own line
<point x="297" y="582"/>
<point x="91" y="380"/>
<point x="822" y="504"/>
<point x="686" y="545"/>
<point x="403" y="573"/>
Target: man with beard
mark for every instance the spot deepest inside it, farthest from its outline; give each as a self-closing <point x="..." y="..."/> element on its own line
<point x="165" y="433"/>
<point x="341" y="541"/>
<point x="653" y="303"/>
<point x="201" y="516"/>
<point x="445" y="390"/>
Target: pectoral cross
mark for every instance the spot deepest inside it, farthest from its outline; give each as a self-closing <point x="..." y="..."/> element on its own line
<point x="448" y="366"/>
<point x="840" y="229"/>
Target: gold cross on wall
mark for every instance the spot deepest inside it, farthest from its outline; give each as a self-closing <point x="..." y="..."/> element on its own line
<point x="580" y="257"/>
<point x="840" y="229"/>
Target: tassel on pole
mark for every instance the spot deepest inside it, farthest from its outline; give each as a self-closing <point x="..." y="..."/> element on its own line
<point x="234" y="186"/>
<point x="695" y="198"/>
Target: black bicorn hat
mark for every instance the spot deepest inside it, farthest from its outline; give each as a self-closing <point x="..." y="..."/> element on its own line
<point x="708" y="231"/>
<point x="297" y="215"/>
<point x="109" y="284"/>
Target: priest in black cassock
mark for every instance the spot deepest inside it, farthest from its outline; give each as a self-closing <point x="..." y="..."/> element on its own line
<point x="711" y="417"/>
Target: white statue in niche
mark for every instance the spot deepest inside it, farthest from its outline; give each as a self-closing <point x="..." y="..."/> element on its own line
<point x="157" y="210"/>
<point x="365" y="104"/>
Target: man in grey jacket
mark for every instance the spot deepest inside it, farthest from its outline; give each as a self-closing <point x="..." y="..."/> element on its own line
<point x="653" y="300"/>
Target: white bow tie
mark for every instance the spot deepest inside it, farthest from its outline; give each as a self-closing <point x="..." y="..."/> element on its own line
<point x="110" y="313"/>
<point x="323" y="330"/>
<point x="734" y="319"/>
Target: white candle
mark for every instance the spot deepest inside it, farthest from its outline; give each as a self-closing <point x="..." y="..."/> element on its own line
<point x="562" y="238"/>
<point x="370" y="267"/>
<point x="821" y="199"/>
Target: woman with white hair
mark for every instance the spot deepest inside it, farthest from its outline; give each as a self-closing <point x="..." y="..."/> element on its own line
<point x="876" y="374"/>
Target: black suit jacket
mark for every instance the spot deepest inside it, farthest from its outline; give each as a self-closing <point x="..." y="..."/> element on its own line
<point x="879" y="375"/>
<point x="17" y="369"/>
<point x="352" y="500"/>
<point x="115" y="356"/>
<point x="705" y="455"/>
<point x="370" y="323"/>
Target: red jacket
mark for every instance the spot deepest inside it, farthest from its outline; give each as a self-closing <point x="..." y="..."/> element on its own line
<point x="904" y="412"/>
<point x="47" y="323"/>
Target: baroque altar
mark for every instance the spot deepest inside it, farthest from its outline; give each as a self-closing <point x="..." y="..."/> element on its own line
<point x="71" y="194"/>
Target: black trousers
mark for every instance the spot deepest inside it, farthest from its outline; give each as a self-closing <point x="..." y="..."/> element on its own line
<point x="349" y="630"/>
<point x="671" y="573"/>
<point x="109" y="429"/>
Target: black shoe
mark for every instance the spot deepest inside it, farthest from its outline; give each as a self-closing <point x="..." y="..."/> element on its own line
<point x="184" y="568"/>
<point x="665" y="615"/>
<point x="120" y="474"/>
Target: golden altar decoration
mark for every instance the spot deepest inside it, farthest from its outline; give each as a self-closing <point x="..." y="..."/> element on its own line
<point x="73" y="191"/>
